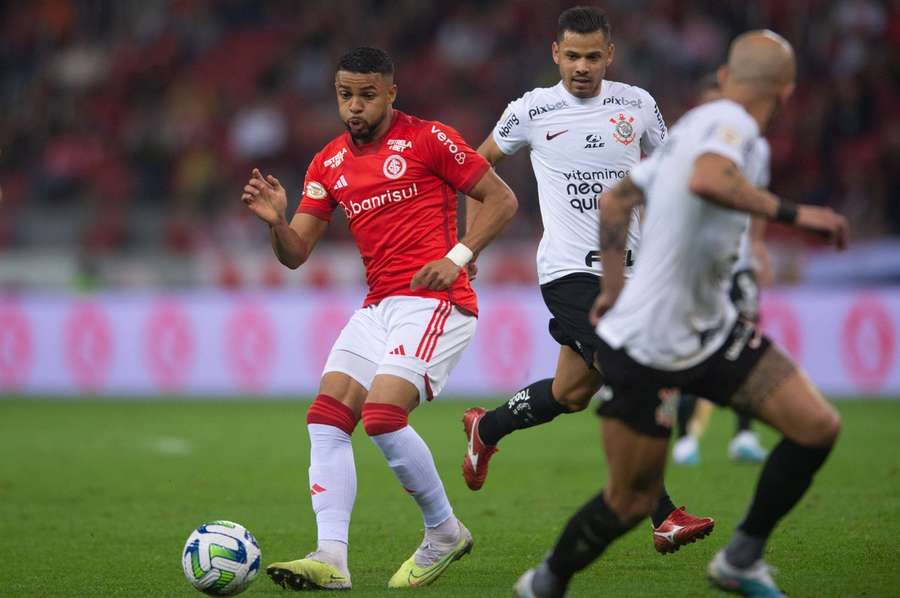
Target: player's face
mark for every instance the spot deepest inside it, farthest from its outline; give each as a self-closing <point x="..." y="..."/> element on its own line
<point x="364" y="100"/>
<point x="583" y="59"/>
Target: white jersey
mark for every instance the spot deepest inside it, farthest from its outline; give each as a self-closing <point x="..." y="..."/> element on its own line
<point x="579" y="148"/>
<point x="675" y="311"/>
<point x="760" y="178"/>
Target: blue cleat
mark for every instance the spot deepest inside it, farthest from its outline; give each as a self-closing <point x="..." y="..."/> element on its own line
<point x="755" y="581"/>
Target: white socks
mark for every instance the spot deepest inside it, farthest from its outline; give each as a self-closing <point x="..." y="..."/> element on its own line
<point x="332" y="486"/>
<point x="410" y="459"/>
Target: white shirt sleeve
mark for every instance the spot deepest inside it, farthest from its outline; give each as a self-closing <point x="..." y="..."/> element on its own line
<point x="512" y="131"/>
<point x="764" y="157"/>
<point x="642" y="173"/>
<point x="655" y="132"/>
<point x="730" y="135"/>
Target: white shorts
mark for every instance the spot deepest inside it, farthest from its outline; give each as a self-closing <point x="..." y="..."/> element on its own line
<point x="418" y="339"/>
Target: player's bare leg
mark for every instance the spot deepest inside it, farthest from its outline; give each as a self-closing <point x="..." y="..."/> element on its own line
<point x="385" y="417"/>
<point x="332" y="480"/>
<point x="810" y="426"/>
<point x="636" y="467"/>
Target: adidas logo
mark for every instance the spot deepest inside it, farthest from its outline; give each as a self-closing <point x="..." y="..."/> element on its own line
<point x="341" y="183"/>
<point x="316" y="489"/>
<point x="399" y="350"/>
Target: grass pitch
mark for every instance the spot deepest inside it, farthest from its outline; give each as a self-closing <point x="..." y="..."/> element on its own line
<point x="97" y="499"/>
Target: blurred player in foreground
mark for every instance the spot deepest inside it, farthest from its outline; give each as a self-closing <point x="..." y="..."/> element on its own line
<point x="395" y="177"/>
<point x="674" y="328"/>
<point x="750" y="271"/>
<point x="585" y="133"/>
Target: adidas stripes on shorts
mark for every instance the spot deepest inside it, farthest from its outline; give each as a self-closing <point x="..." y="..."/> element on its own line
<point x="419" y="339"/>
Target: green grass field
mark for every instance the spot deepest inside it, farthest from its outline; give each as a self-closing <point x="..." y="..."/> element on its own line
<point x="97" y="499"/>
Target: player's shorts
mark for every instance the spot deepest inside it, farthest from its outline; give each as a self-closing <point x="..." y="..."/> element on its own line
<point x="570" y="300"/>
<point x="418" y="339"/>
<point x="742" y="374"/>
<point x="745" y="294"/>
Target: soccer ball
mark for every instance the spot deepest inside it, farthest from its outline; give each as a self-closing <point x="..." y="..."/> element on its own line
<point x="221" y="558"/>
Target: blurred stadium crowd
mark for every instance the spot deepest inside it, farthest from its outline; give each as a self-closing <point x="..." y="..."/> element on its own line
<point x="131" y="125"/>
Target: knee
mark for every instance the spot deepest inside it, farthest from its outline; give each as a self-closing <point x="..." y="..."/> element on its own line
<point x="383" y="418"/>
<point x="573" y="399"/>
<point x="826" y="428"/>
<point x="631" y="505"/>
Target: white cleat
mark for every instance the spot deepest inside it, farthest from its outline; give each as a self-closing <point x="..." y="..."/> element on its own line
<point x="686" y="451"/>
<point x="755" y="581"/>
<point x="522" y="589"/>
<point x="745" y="448"/>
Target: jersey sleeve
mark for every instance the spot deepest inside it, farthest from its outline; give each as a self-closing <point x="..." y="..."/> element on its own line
<point x="316" y="200"/>
<point x="449" y="157"/>
<point x="656" y="131"/>
<point x="764" y="155"/>
<point x="730" y="135"/>
<point x="511" y="133"/>
<point x="642" y="173"/>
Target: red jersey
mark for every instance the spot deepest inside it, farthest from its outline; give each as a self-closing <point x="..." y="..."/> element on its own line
<point x="399" y="195"/>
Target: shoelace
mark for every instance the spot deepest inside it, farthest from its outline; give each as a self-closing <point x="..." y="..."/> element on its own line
<point x="427" y="554"/>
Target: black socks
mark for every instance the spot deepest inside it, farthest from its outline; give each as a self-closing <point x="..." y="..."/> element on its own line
<point x="531" y="406"/>
<point x="586" y="536"/>
<point x="787" y="474"/>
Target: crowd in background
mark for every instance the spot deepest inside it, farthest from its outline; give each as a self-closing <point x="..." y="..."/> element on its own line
<point x="132" y="125"/>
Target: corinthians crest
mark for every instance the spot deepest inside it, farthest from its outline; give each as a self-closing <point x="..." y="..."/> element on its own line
<point x="624" y="129"/>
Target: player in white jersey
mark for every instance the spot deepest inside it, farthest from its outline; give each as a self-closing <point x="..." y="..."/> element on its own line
<point x="751" y="268"/>
<point x="584" y="135"/>
<point x="673" y="328"/>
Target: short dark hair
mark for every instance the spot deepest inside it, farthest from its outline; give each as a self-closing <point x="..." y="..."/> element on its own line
<point x="583" y="19"/>
<point x="366" y="60"/>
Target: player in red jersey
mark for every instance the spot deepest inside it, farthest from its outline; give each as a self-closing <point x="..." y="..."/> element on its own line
<point x="395" y="177"/>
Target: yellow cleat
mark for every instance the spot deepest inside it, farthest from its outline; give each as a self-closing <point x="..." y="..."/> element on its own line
<point x="432" y="560"/>
<point x="308" y="574"/>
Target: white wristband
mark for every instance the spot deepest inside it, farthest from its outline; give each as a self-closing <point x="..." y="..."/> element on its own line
<point x="460" y="255"/>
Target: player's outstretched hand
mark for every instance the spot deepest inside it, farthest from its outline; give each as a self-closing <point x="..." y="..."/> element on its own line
<point x="437" y="275"/>
<point x="602" y="304"/>
<point x="265" y="197"/>
<point x="823" y="222"/>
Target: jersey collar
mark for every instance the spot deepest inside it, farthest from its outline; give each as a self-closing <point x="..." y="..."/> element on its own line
<point x="576" y="101"/>
<point x="375" y="146"/>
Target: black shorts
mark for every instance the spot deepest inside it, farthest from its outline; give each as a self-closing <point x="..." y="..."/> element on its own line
<point x="646" y="399"/>
<point x="745" y="294"/>
<point x="570" y="300"/>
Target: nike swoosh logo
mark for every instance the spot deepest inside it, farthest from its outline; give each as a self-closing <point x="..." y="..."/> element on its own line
<point x="473" y="457"/>
<point x="550" y="137"/>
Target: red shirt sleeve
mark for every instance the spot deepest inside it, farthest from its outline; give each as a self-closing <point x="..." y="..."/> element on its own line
<point x="450" y="157"/>
<point x="316" y="200"/>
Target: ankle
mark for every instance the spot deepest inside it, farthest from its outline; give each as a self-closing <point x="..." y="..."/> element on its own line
<point x="446" y="532"/>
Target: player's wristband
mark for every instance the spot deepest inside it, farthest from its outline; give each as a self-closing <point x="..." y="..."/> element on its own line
<point x="787" y="212"/>
<point x="460" y="255"/>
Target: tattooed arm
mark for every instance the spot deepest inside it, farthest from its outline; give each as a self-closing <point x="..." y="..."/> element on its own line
<point x="718" y="180"/>
<point x="616" y="206"/>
